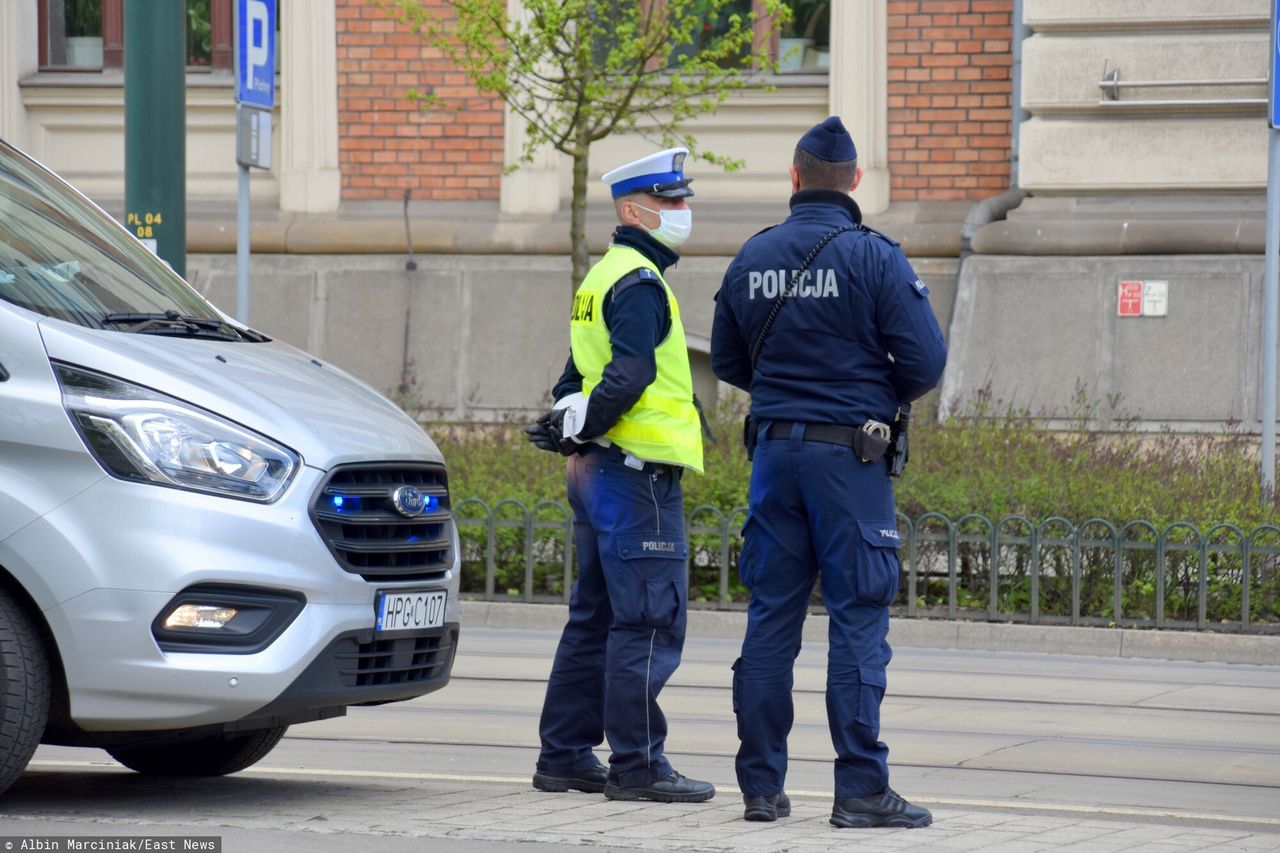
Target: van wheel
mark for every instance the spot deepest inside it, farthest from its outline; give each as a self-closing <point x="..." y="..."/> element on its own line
<point x="24" y="690"/>
<point x="216" y="755"/>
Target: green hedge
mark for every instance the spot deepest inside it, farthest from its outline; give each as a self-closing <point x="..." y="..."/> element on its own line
<point x="995" y="464"/>
<point x="988" y="461"/>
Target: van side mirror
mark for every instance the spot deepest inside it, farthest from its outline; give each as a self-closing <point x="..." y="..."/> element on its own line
<point x="4" y="374"/>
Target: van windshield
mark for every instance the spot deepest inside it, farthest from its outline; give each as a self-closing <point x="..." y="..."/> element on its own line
<point x="64" y="258"/>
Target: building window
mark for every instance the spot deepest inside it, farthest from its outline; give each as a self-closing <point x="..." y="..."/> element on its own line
<point x="805" y="42"/>
<point x="72" y="32"/>
<point x="802" y="45"/>
<point x="88" y="35"/>
<point x="712" y="26"/>
<point x="209" y="26"/>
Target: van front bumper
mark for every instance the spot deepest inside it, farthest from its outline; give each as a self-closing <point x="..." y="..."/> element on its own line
<point x="358" y="668"/>
<point x="105" y="564"/>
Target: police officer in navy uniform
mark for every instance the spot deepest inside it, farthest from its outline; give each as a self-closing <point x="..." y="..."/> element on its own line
<point x="853" y="337"/>
<point x="625" y="416"/>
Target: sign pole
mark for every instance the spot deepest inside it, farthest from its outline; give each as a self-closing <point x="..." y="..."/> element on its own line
<point x="242" y="238"/>
<point x="255" y="70"/>
<point x="242" y="185"/>
<point x="1269" y="300"/>
<point x="1272" y="272"/>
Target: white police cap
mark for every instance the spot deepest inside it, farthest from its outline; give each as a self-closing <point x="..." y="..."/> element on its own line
<point x="660" y="174"/>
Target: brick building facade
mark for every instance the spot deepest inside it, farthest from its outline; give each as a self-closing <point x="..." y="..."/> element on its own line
<point x="386" y="144"/>
<point x="949" y="84"/>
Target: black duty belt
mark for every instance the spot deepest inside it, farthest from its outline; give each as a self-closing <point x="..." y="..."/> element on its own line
<point x="869" y="444"/>
<point x="828" y="433"/>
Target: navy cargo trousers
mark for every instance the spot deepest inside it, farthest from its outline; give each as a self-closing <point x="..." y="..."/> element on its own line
<point x="815" y="510"/>
<point x="626" y="619"/>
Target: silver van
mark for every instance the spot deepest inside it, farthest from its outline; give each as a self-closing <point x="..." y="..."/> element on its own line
<point x="205" y="535"/>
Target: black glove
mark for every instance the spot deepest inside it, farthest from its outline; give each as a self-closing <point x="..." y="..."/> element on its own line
<point x="547" y="433"/>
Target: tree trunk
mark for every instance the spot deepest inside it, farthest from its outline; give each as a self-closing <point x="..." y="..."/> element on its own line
<point x="580" y="252"/>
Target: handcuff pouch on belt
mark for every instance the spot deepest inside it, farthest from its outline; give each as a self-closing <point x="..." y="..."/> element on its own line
<point x="871" y="441"/>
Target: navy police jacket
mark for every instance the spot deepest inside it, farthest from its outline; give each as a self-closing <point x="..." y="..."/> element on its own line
<point x="853" y="340"/>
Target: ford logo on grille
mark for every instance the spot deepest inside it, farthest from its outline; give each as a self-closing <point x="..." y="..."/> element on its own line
<point x="408" y="501"/>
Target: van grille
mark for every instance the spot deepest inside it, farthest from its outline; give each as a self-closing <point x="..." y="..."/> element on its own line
<point x="355" y="512"/>
<point x="406" y="660"/>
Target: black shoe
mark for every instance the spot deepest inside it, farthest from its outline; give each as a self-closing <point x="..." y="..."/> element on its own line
<point x="766" y="808"/>
<point x="884" y="809"/>
<point x="591" y="780"/>
<point x="670" y="789"/>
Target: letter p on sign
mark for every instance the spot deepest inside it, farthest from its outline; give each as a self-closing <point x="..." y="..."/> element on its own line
<point x="259" y="51"/>
<point x="256" y="52"/>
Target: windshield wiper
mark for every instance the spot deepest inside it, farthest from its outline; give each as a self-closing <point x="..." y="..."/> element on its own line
<point x="173" y="323"/>
<point x="171" y="317"/>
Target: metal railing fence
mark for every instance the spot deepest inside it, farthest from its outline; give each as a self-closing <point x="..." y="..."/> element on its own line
<point x="1012" y="569"/>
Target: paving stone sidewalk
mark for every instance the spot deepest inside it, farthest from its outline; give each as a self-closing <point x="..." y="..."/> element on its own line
<point x="510" y="813"/>
<point x="504" y="809"/>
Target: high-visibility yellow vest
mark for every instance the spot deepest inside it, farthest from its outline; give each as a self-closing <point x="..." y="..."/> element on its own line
<point x="663" y="425"/>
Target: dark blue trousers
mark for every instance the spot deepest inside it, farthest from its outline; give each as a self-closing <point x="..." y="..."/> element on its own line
<point x="626" y="620"/>
<point x="815" y="510"/>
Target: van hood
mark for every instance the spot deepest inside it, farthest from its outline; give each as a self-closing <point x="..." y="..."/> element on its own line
<point x="324" y="414"/>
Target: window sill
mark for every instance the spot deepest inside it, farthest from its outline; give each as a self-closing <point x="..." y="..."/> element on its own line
<point x="107" y="78"/>
<point x="797" y="78"/>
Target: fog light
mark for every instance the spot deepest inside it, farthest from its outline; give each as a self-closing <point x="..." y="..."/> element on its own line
<point x="224" y="618"/>
<point x="200" y="616"/>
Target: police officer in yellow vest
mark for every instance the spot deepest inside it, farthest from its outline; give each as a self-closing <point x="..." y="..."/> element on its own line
<point x="626" y="418"/>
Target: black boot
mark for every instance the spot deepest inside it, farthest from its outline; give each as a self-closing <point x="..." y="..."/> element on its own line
<point x="883" y="809"/>
<point x="766" y="808"/>
<point x="670" y="789"/>
<point x="590" y="780"/>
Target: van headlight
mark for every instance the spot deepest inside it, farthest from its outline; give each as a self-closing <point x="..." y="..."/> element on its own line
<point x="139" y="434"/>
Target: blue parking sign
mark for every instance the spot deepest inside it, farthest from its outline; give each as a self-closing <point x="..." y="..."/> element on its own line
<point x="256" y="52"/>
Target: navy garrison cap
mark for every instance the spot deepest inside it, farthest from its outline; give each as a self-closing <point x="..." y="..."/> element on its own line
<point x="660" y="174"/>
<point x="829" y="141"/>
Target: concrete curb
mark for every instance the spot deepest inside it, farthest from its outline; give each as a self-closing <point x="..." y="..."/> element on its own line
<point x="938" y="634"/>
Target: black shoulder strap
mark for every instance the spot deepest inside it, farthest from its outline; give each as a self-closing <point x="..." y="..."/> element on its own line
<point x="641" y="275"/>
<point x="636" y="276"/>
<point x="791" y="288"/>
<point x="874" y="233"/>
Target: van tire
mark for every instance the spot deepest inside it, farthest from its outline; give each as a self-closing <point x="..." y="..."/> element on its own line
<point x="216" y="755"/>
<point x="25" y="691"/>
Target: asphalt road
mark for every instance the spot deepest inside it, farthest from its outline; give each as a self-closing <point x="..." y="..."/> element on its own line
<point x="997" y="735"/>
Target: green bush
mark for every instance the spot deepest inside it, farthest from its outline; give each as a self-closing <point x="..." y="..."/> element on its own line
<point x="1000" y="463"/>
<point x="991" y="462"/>
<point x="493" y="469"/>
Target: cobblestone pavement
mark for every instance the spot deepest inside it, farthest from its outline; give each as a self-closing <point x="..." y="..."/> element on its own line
<point x="367" y="805"/>
<point x="1014" y="745"/>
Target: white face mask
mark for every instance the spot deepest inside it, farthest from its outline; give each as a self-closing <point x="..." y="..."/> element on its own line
<point x="674" y="228"/>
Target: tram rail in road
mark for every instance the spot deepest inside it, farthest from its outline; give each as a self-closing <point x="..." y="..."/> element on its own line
<point x="1033" y="748"/>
